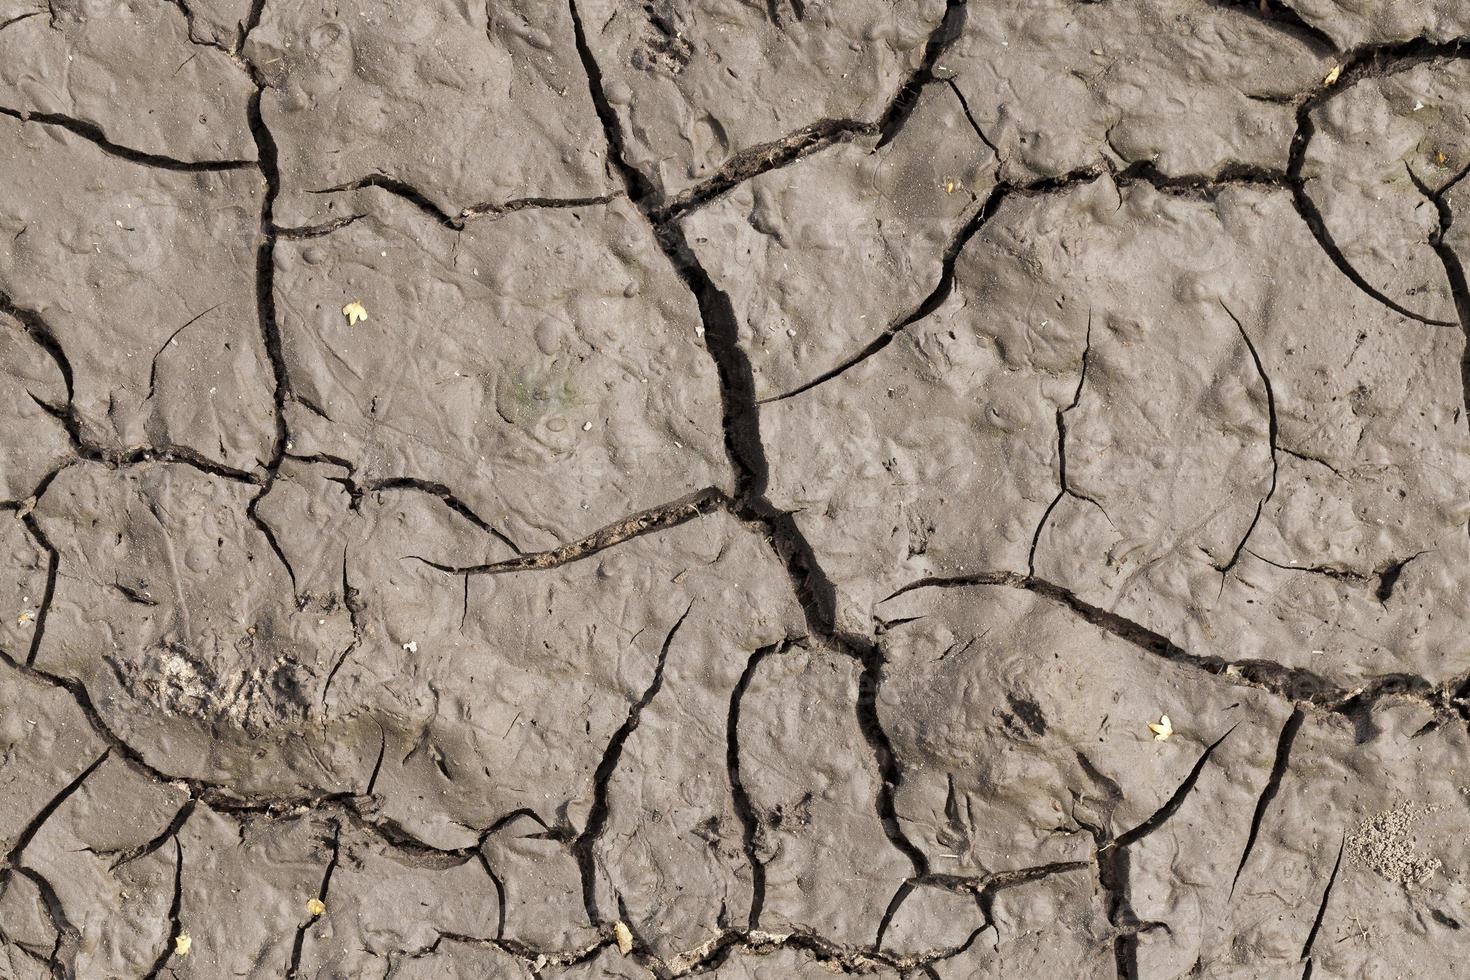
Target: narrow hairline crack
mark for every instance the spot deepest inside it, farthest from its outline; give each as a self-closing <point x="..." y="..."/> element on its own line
<point x="1138" y="173"/>
<point x="1272" y="432"/>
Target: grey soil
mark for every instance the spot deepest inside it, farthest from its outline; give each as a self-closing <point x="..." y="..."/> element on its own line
<point x="792" y="454"/>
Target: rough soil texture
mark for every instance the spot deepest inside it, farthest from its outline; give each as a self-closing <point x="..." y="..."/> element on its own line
<point x="793" y="453"/>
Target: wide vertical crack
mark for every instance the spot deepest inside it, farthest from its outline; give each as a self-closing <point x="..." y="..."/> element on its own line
<point x="175" y="921"/>
<point x="750" y="825"/>
<point x="583" y="845"/>
<point x="1321" y="912"/>
<point x="298" y="945"/>
<point x="48" y="595"/>
<point x="61" y="961"/>
<point x="1289" y="730"/>
<point x="740" y="414"/>
<point x="265" y="293"/>
<point x="1454" y="270"/>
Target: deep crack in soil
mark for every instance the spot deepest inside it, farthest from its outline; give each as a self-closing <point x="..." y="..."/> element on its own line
<point x="904" y="489"/>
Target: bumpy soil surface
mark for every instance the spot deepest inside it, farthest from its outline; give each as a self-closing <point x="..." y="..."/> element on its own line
<point x="783" y="458"/>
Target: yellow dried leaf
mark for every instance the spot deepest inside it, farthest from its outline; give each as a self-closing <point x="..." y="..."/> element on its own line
<point x="1333" y="75"/>
<point x="624" y="936"/>
<point x="1163" y="729"/>
<point x="315" y="906"/>
<point x="182" y="942"/>
<point x="949" y="187"/>
<point x="354" y="312"/>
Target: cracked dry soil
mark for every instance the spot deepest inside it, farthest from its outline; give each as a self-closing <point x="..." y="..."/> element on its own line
<point x="793" y="452"/>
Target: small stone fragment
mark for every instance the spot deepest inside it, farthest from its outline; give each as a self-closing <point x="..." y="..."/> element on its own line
<point x="412" y="646"/>
<point x="624" y="936"/>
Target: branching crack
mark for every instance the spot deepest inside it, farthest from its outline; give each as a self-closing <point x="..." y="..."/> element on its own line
<point x="1063" y="490"/>
<point x="1364" y="62"/>
<point x="1138" y="173"/>
<point x="949" y="29"/>
<point x="740" y="415"/>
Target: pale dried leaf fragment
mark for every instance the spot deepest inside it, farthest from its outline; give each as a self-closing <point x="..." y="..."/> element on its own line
<point x="1333" y="76"/>
<point x="182" y="942"/>
<point x="354" y="311"/>
<point x="1162" y="729"/>
<point x="316" y="907"/>
<point x="624" y="936"/>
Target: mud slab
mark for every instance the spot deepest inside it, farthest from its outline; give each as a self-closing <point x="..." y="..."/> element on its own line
<point x="915" y="489"/>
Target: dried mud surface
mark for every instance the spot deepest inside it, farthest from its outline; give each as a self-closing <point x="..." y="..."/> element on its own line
<point x="793" y="453"/>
